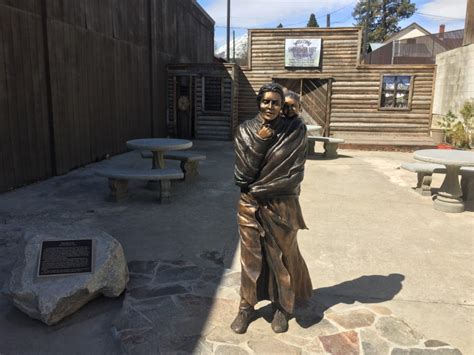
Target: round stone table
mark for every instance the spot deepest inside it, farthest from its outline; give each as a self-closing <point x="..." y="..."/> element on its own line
<point x="158" y="147"/>
<point x="449" y="198"/>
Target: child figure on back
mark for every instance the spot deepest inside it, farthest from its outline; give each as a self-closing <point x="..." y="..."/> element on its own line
<point x="292" y="107"/>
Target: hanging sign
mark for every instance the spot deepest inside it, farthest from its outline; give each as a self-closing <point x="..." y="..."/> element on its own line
<point x="304" y="52"/>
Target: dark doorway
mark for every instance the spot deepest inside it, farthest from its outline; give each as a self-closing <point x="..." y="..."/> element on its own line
<point x="184" y="103"/>
<point x="315" y="99"/>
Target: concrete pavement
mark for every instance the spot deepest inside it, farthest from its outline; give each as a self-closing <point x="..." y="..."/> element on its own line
<point x="372" y="241"/>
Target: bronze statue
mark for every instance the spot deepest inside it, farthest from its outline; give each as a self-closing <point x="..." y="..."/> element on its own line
<point x="292" y="106"/>
<point x="270" y="157"/>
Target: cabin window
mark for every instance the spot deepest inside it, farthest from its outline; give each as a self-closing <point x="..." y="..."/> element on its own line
<point x="395" y="92"/>
<point x="212" y="95"/>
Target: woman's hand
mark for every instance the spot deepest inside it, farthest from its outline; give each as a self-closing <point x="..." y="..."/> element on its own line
<point x="265" y="132"/>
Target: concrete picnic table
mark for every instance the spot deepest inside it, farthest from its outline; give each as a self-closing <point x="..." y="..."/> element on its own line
<point x="449" y="198"/>
<point x="158" y="147"/>
<point x="314" y="129"/>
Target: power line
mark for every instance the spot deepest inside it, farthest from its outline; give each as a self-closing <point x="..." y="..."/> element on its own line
<point x="340" y="21"/>
<point x="291" y="24"/>
<point x="237" y="28"/>
<point x="441" y="17"/>
<point x="296" y="23"/>
<point x="260" y="17"/>
<point x="342" y="8"/>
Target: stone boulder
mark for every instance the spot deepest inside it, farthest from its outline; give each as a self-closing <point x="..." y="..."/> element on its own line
<point x="52" y="298"/>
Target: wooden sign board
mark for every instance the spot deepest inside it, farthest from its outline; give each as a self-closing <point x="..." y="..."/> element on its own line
<point x="303" y="52"/>
<point x="64" y="257"/>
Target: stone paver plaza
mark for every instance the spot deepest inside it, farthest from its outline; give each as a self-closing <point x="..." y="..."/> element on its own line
<point x="391" y="275"/>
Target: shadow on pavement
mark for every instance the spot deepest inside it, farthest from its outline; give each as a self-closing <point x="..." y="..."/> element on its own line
<point x="365" y="289"/>
<point x="320" y="156"/>
<point x="168" y="300"/>
<point x="468" y="205"/>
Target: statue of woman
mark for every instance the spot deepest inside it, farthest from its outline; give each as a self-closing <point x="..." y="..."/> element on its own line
<point x="270" y="157"/>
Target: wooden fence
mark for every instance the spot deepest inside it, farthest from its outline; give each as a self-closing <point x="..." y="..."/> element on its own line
<point x="80" y="77"/>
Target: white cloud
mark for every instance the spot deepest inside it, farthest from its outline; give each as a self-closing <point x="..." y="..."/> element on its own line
<point x="261" y="13"/>
<point x="444" y="9"/>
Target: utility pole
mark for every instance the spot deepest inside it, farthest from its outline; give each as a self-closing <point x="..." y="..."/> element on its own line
<point x="228" y="30"/>
<point x="366" y="30"/>
<point x="328" y="20"/>
<point x="233" y="46"/>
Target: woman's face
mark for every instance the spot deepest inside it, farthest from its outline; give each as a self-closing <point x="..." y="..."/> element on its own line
<point x="270" y="106"/>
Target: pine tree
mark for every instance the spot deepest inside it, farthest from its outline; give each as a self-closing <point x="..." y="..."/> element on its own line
<point x="312" y="22"/>
<point x="280" y="26"/>
<point x="384" y="16"/>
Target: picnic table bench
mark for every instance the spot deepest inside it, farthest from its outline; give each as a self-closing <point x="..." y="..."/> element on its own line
<point x="425" y="172"/>
<point x="330" y="145"/>
<point x="119" y="177"/>
<point x="189" y="160"/>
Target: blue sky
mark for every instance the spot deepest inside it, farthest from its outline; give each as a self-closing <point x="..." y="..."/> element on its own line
<point x="295" y="13"/>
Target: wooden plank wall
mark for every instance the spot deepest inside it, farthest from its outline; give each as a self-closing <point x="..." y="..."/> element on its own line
<point x="107" y="66"/>
<point x="24" y="130"/>
<point x="354" y="101"/>
<point x="181" y="34"/>
<point x="234" y="73"/>
<point x="99" y="65"/>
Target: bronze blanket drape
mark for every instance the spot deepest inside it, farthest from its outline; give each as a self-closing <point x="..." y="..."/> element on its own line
<point x="269" y="173"/>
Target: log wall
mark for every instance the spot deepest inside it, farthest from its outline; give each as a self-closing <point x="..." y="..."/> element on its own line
<point x="207" y="125"/>
<point x="355" y="87"/>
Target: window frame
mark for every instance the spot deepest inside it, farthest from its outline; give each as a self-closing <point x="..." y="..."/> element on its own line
<point x="204" y="94"/>
<point x="410" y="93"/>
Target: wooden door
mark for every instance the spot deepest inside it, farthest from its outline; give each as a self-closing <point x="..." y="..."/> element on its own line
<point x="184" y="96"/>
<point x="315" y="99"/>
<point x="315" y="102"/>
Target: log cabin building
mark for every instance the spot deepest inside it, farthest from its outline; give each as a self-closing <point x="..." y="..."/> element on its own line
<point x="371" y="106"/>
<point x="76" y="82"/>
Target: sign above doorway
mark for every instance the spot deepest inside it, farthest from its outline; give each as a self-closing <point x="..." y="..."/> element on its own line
<point x="302" y="52"/>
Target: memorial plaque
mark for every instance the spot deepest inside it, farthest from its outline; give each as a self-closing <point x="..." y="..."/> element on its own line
<point x="62" y="257"/>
